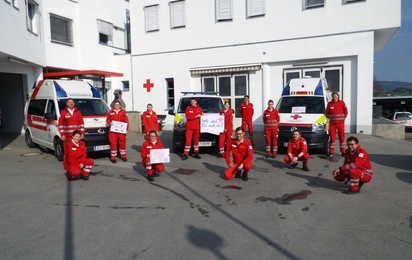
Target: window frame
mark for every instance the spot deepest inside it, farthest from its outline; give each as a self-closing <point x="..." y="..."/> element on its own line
<point x="249" y="8"/>
<point x="168" y="88"/>
<point x="124" y="83"/>
<point x="69" y="32"/>
<point x="32" y="23"/>
<point x="221" y="10"/>
<point x="174" y="14"/>
<point x="306" y="5"/>
<point x="151" y="24"/>
<point x="102" y="30"/>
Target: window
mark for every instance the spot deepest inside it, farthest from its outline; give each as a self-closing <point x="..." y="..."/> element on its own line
<point x="151" y="17"/>
<point x="350" y="1"/>
<point x="51" y="109"/>
<point x="15" y="3"/>
<point x="256" y="8"/>
<point x="170" y="91"/>
<point x="177" y="14"/>
<point x="61" y="29"/>
<point x="126" y="85"/>
<point x="36" y="107"/>
<point x="105" y="32"/>
<point x="313" y="3"/>
<point x="224" y="10"/>
<point x="32" y="16"/>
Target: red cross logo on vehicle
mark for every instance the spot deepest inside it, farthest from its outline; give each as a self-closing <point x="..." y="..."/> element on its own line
<point x="296" y="117"/>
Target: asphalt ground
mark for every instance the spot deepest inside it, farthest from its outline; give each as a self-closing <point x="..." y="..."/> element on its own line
<point x="191" y="212"/>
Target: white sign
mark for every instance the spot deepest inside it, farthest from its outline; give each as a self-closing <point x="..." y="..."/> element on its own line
<point x="213" y="124"/>
<point x="118" y="127"/>
<point x="160" y="156"/>
<point x="298" y="110"/>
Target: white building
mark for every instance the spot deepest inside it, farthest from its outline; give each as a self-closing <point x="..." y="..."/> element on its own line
<point x="255" y="46"/>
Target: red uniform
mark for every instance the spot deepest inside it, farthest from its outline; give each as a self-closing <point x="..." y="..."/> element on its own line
<point x="271" y="121"/>
<point x="242" y="153"/>
<point x="76" y="155"/>
<point x="247" y="111"/>
<point x="192" y="128"/>
<point x="151" y="168"/>
<point x="150" y="123"/>
<point x="296" y="147"/>
<point x="337" y="113"/>
<point x="120" y="116"/>
<point x="357" y="169"/>
<point x="68" y="122"/>
<point x="227" y="134"/>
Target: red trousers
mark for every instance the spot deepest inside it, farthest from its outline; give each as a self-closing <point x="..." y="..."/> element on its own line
<point x="152" y="168"/>
<point x="353" y="177"/>
<point x="233" y="171"/>
<point x="341" y="133"/>
<point x="224" y="137"/>
<point x="113" y="139"/>
<point x="196" y="135"/>
<point x="304" y="158"/>
<point x="75" y="170"/>
<point x="271" y="140"/>
<point x="249" y="124"/>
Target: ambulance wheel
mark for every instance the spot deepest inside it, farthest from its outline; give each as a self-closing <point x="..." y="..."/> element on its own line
<point x="58" y="149"/>
<point x="29" y="140"/>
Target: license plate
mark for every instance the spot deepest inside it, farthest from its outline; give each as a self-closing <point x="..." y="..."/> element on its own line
<point x="101" y="147"/>
<point x="205" y="143"/>
<point x="285" y="144"/>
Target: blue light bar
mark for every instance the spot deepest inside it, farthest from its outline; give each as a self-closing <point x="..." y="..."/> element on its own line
<point x="319" y="89"/>
<point x="96" y="93"/>
<point x="286" y="90"/>
<point x="59" y="91"/>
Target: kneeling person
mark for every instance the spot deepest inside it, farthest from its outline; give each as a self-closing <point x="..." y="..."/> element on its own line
<point x="297" y="151"/>
<point x="152" y="143"/>
<point x="242" y="156"/>
<point x="76" y="163"/>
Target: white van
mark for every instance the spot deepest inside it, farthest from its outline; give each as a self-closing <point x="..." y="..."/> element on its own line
<point x="43" y="108"/>
<point x="303" y="106"/>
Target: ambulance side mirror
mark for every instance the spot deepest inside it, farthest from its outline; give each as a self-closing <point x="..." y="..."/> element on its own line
<point x="171" y="112"/>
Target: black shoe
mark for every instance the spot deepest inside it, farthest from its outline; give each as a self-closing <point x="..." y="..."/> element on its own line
<point x="156" y="174"/>
<point x="244" y="178"/>
<point x="351" y="191"/>
<point x="343" y="154"/>
<point x="85" y="178"/>
<point x="292" y="166"/>
<point x="360" y="186"/>
<point x="184" y="157"/>
<point x="113" y="161"/>
<point x="150" y="178"/>
<point x="273" y="156"/>
<point x="330" y="154"/>
<point x="197" y="156"/>
<point x="305" y="168"/>
<point x="267" y="155"/>
<point x="76" y="177"/>
<point x="124" y="159"/>
<point x="253" y="144"/>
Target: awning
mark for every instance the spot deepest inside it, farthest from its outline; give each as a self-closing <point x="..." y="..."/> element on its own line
<point x="82" y="73"/>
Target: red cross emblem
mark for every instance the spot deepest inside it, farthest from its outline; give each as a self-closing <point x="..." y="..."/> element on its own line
<point x="148" y="85"/>
<point x="296" y="117"/>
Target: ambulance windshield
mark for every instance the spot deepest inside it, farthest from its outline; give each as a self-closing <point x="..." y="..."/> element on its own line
<point x="88" y="107"/>
<point x="207" y="104"/>
<point x="307" y="105"/>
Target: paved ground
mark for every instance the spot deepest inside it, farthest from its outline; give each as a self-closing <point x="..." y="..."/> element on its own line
<point x="278" y="214"/>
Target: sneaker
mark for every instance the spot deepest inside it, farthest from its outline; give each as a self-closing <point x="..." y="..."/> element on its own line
<point x="267" y="155"/>
<point x="330" y="154"/>
<point x="150" y="178"/>
<point x="197" y="156"/>
<point x="343" y="154"/>
<point x="273" y="156"/>
<point x="351" y="191"/>
<point x="184" y="157"/>
<point x="292" y="166"/>
<point x="113" y="161"/>
<point x="305" y="168"/>
<point x="124" y="159"/>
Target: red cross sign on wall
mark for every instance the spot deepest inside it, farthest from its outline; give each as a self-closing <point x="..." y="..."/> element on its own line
<point x="148" y="85"/>
<point x="296" y="117"/>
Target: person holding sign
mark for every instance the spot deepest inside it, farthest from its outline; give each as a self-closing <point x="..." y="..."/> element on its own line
<point x="119" y="124"/>
<point x="153" y="143"/>
<point x="76" y="163"/>
<point x="150" y="121"/>
<point x="193" y="114"/>
<point x="247" y="111"/>
<point x="242" y="156"/>
<point x="271" y="121"/>
<point x="227" y="134"/>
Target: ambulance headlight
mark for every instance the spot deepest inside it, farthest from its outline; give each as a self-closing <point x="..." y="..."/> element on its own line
<point x="318" y="128"/>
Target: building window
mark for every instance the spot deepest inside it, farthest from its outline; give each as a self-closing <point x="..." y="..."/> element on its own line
<point x="151" y="17"/>
<point x="32" y="16"/>
<point x="313" y="3"/>
<point x="105" y="32"/>
<point x="170" y="91"/>
<point x="256" y="8"/>
<point x="350" y="1"/>
<point x="126" y="85"/>
<point x="61" y="29"/>
<point x="15" y="3"/>
<point x="224" y="10"/>
<point x="177" y="14"/>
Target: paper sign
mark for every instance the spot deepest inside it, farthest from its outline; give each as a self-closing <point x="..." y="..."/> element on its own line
<point x="118" y="127"/>
<point x="160" y="156"/>
<point x="213" y="124"/>
<point x="298" y="110"/>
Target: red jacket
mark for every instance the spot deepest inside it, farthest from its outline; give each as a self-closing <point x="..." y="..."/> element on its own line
<point x="193" y="123"/>
<point x="358" y="160"/>
<point x="298" y="146"/>
<point x="68" y="122"/>
<point x="228" y="119"/>
<point x="247" y="111"/>
<point x="271" y="118"/>
<point x="147" y="146"/>
<point x="150" y="121"/>
<point x="336" y="112"/>
<point x="120" y="116"/>
<point x="242" y="152"/>
<point x="75" y="154"/>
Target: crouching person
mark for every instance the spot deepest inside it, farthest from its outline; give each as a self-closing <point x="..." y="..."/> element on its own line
<point x="76" y="163"/>
<point x="297" y="151"/>
<point x="152" y="143"/>
<point x="242" y="156"/>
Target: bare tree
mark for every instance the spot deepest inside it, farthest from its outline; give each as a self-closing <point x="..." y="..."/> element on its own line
<point x="377" y="88"/>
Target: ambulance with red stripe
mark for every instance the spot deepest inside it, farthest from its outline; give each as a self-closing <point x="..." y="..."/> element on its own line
<point x="302" y="106"/>
<point x="43" y="108"/>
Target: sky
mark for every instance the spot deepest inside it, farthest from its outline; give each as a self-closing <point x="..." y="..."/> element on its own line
<point x="394" y="61"/>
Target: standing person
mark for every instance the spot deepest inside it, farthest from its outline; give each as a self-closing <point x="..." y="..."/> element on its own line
<point x="193" y="114"/>
<point x="271" y="121"/>
<point x="356" y="169"/>
<point x="247" y="111"/>
<point x="242" y="156"/>
<point x="337" y="112"/>
<point x="150" y="122"/>
<point x="77" y="165"/>
<point x="297" y="151"/>
<point x="153" y="143"/>
<point x="117" y="114"/>
<point x="226" y="136"/>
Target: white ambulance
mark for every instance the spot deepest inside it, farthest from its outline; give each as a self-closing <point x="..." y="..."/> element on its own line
<point x="303" y="106"/>
<point x="43" y="108"/>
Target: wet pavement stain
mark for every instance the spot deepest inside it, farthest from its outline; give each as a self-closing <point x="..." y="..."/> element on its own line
<point x="95" y="173"/>
<point x="312" y="184"/>
<point x="305" y="209"/>
<point x="320" y="174"/>
<point x="232" y="187"/>
<point x="132" y="179"/>
<point x="326" y="166"/>
<point x="287" y="198"/>
<point x="97" y="206"/>
<point x="184" y="171"/>
<point x="106" y="175"/>
<point x="217" y="185"/>
<point x="31" y="154"/>
<point x="260" y="169"/>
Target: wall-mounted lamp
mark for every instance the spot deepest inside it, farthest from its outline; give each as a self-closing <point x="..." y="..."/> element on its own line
<point x="17" y="60"/>
<point x="306" y="63"/>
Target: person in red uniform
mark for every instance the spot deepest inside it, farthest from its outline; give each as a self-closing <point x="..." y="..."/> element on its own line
<point x="119" y="115"/>
<point x="336" y="112"/>
<point x="226" y="136"/>
<point x="297" y="151"/>
<point x="193" y="114"/>
<point x="77" y="165"/>
<point x="356" y="169"/>
<point x="247" y="111"/>
<point x="150" y="122"/>
<point x="242" y="156"/>
<point x="271" y="121"/>
<point x="70" y="119"/>
<point x="153" y="143"/>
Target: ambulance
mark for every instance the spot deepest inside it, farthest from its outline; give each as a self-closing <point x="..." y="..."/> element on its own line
<point x="42" y="113"/>
<point x="303" y="106"/>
